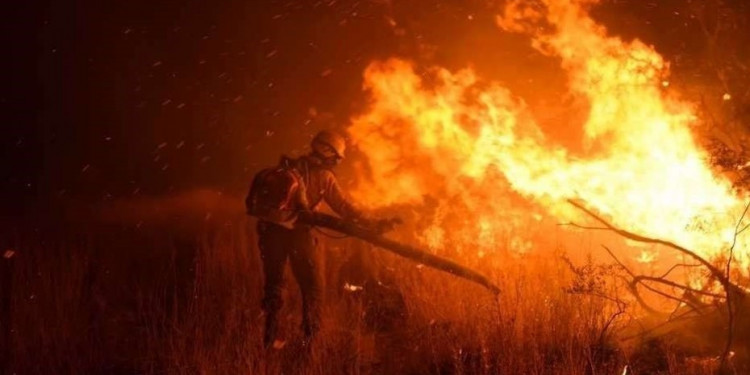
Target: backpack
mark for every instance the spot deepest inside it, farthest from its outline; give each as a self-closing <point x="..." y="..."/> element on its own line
<point x="276" y="195"/>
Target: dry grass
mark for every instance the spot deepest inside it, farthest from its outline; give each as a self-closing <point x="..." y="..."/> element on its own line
<point x="127" y="300"/>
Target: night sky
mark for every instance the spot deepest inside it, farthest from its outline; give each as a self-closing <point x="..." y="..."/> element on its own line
<point x="108" y="99"/>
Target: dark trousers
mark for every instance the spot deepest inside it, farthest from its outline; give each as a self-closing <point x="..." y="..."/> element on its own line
<point x="277" y="245"/>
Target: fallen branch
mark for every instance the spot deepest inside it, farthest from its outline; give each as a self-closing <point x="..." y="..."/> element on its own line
<point x="406" y="251"/>
<point x="659" y="280"/>
<point x="731" y="290"/>
<point x="717" y="273"/>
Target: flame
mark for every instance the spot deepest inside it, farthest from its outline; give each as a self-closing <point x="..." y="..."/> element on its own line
<point x="477" y="152"/>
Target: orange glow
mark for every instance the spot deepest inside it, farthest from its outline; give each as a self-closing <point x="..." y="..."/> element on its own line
<point x="477" y="150"/>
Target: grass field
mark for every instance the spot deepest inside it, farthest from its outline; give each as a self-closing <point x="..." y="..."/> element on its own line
<point x="167" y="298"/>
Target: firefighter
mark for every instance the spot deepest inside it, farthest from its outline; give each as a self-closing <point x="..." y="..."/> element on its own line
<point x="279" y="243"/>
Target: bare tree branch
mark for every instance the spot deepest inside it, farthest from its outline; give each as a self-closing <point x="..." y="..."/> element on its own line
<point x="731" y="290"/>
<point x="717" y="273"/>
<point x="641" y="278"/>
<point x="730" y="300"/>
<point x="632" y="286"/>
<point x="674" y="267"/>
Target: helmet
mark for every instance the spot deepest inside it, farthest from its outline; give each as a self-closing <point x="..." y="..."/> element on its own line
<point x="326" y="139"/>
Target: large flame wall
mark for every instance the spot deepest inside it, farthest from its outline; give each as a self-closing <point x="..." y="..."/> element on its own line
<point x="474" y="148"/>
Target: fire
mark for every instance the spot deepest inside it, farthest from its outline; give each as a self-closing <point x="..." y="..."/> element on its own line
<point x="477" y="153"/>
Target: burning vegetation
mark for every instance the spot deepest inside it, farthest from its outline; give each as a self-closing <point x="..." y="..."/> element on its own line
<point x="452" y="137"/>
<point x="474" y="156"/>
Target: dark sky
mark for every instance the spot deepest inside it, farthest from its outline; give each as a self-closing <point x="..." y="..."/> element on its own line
<point x="107" y="99"/>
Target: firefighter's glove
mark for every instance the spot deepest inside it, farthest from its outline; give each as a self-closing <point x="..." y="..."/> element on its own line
<point x="305" y="217"/>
